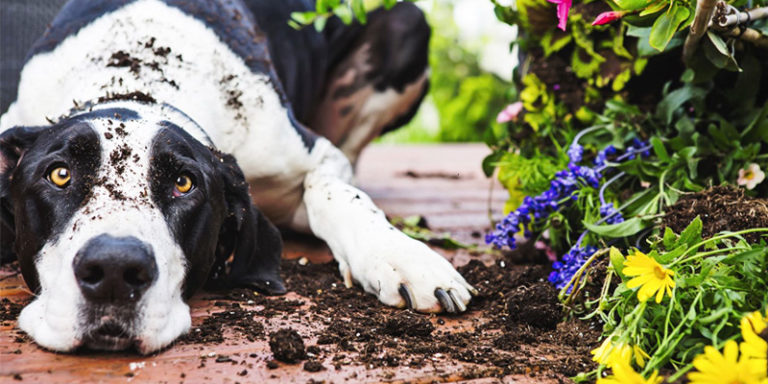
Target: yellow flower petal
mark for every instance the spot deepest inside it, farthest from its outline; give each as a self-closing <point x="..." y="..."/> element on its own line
<point x="652" y="278"/>
<point x="640" y="356"/>
<point x="712" y="367"/>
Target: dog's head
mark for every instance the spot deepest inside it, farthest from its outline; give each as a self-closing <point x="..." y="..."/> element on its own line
<point x="119" y="214"/>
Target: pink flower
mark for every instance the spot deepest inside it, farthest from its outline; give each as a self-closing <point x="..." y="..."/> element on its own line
<point x="608" y="17"/>
<point x="510" y="113"/>
<point x="563" y="6"/>
<point x="541" y="246"/>
<point x="751" y="176"/>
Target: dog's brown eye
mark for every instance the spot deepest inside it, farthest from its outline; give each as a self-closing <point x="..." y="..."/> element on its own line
<point x="60" y="176"/>
<point x="183" y="185"/>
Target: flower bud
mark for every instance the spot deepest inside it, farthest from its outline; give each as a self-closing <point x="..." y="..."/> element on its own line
<point x="608" y="17"/>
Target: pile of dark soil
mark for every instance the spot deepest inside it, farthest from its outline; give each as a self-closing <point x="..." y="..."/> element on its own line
<point x="720" y="209"/>
<point x="287" y="346"/>
<point x="514" y="321"/>
<point x="534" y="304"/>
<point x="236" y="318"/>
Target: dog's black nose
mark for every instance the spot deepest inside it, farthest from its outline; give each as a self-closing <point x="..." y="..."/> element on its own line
<point x="114" y="270"/>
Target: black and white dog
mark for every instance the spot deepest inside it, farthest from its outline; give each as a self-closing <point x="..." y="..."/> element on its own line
<point x="139" y="127"/>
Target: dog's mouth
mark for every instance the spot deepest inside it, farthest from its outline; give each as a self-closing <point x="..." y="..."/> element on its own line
<point x="109" y="336"/>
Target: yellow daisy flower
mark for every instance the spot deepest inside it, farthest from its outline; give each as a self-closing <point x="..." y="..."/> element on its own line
<point x="640" y="356"/>
<point x="754" y="349"/>
<point x="610" y="354"/>
<point x="652" y="277"/>
<point x="715" y="368"/>
<point x="624" y="374"/>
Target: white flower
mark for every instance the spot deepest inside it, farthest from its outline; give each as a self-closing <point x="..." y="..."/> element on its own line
<point x="751" y="176"/>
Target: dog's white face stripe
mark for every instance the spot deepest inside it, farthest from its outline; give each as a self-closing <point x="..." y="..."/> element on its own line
<point x="120" y="205"/>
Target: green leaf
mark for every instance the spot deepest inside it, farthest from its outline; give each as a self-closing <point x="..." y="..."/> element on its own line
<point x="617" y="261"/>
<point x="758" y="128"/>
<point x="489" y="162"/>
<point x="320" y="23"/>
<point x="623" y="229"/>
<point x="631" y="5"/>
<point x="675" y="99"/>
<point x="688" y="75"/>
<point x="717" y="52"/>
<point x="670" y="238"/>
<point x="653" y="8"/>
<point x="359" y="9"/>
<point x="692" y="233"/>
<point x="718" y="43"/>
<point x="666" y="258"/>
<point x="658" y="148"/>
<point x="666" y="25"/>
<point x="642" y="34"/>
<point x="303" y="18"/>
<point x="344" y="13"/>
<point x="321" y="6"/>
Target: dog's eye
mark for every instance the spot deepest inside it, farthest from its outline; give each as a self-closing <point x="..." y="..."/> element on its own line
<point x="183" y="185"/>
<point x="60" y="176"/>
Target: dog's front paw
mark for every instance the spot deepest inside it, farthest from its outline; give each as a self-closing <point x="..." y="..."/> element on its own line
<point x="407" y="273"/>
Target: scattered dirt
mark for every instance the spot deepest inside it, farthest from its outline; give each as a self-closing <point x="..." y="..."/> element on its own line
<point x="135" y="95"/>
<point x="433" y="175"/>
<point x="288" y="346"/>
<point x="720" y="209"/>
<point x="513" y="326"/>
<point x="10" y="310"/>
<point x="519" y="321"/>
<point x="534" y="305"/>
<point x="360" y="330"/>
<point x="313" y="366"/>
<point x="234" y="317"/>
<point x="124" y="59"/>
<point x="406" y="323"/>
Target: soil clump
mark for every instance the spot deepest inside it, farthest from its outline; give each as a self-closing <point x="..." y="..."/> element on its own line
<point x="287" y="346"/>
<point x="720" y="209"/>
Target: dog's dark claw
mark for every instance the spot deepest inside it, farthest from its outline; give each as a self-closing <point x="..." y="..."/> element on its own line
<point x="405" y="292"/>
<point x="457" y="301"/>
<point x="445" y="300"/>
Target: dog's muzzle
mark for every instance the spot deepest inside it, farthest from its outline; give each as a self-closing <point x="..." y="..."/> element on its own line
<point x="113" y="273"/>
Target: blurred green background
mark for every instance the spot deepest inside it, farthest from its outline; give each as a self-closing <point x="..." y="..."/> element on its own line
<point x="471" y="69"/>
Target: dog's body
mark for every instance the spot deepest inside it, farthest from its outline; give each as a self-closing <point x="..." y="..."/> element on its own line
<point x="118" y="207"/>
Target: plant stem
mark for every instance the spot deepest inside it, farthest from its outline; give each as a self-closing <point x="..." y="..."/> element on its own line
<point x="586" y="131"/>
<point x="749" y="35"/>
<point x="607" y="183"/>
<point x="711" y="239"/>
<point x="740" y="17"/>
<point x="577" y="276"/>
<point x="704" y="10"/>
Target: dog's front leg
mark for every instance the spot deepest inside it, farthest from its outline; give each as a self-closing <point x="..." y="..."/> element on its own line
<point x="399" y="270"/>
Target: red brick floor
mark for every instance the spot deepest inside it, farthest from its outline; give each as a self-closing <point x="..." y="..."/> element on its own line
<point x="443" y="183"/>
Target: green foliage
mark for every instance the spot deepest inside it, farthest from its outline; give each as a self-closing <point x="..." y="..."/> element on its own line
<point x="717" y="282"/>
<point x="466" y="97"/>
<point x="704" y="128"/>
<point x="347" y="11"/>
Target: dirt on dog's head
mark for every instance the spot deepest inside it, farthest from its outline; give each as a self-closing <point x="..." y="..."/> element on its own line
<point x="117" y="215"/>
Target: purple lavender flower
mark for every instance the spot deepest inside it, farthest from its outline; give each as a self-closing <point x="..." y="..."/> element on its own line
<point x="610" y="214"/>
<point x="602" y="156"/>
<point x="562" y="192"/>
<point x="575" y="152"/>
<point x="562" y="272"/>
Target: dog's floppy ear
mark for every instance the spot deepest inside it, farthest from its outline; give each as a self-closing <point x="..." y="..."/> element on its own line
<point x="246" y="233"/>
<point x="13" y="143"/>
